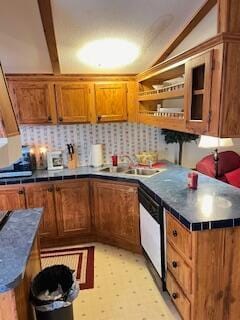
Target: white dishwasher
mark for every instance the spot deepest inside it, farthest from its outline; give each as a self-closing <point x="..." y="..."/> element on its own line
<point x="152" y="233"/>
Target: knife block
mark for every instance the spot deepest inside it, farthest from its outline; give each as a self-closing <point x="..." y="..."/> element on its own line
<point x="72" y="163"/>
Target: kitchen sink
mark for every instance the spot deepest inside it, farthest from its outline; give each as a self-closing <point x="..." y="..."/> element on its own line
<point x="143" y="172"/>
<point x="147" y="172"/>
<point x="114" y="169"/>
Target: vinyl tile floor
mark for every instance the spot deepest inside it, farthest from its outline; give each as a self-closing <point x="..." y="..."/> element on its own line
<point x="123" y="290"/>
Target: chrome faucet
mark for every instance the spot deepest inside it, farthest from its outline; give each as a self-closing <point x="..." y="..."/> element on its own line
<point x="132" y="161"/>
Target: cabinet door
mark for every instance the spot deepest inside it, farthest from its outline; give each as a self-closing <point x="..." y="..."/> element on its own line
<point x="42" y="196"/>
<point x="72" y="102"/>
<point x="72" y="205"/>
<point x="8" y="123"/>
<point x="34" y="102"/>
<point x="12" y="198"/>
<point x="111" y="102"/>
<point x="198" y="76"/>
<point x="116" y="212"/>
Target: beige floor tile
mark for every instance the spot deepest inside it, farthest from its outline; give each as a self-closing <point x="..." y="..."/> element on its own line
<point x="123" y="290"/>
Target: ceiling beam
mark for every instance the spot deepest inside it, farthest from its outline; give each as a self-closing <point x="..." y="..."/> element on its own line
<point x="48" y="27"/>
<point x="201" y="13"/>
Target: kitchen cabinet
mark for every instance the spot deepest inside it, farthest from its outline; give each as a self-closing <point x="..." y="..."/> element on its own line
<point x="12" y="198"/>
<point x="8" y="123"/>
<point x="111" y="101"/>
<point x="73" y="99"/>
<point x="72" y="102"/>
<point x="72" y="207"/>
<point x="34" y="102"/>
<point x="202" y="272"/>
<point x="42" y="196"/>
<point x="198" y="76"/>
<point x="116" y="214"/>
<point x="206" y="94"/>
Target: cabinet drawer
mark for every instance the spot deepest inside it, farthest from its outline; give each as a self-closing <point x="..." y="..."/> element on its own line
<point x="179" y="299"/>
<point x="178" y="267"/>
<point x="179" y="236"/>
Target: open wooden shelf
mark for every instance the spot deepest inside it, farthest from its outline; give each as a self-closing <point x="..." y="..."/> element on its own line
<point x="164" y="115"/>
<point x="168" y="92"/>
<point x="174" y="123"/>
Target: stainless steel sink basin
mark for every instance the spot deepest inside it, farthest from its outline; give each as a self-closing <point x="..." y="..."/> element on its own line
<point x="147" y="172"/>
<point x="142" y="171"/>
<point x="114" y="169"/>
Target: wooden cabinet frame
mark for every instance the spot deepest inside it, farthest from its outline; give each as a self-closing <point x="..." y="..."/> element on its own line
<point x="206" y="61"/>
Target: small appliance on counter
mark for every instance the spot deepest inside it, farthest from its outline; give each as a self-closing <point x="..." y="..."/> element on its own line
<point x="55" y="160"/>
<point x="23" y="167"/>
<point x="96" y="155"/>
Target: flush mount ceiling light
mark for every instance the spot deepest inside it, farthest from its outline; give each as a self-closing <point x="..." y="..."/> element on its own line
<point x="108" y="53"/>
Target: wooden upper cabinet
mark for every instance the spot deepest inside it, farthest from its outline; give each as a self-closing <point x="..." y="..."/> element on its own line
<point x="116" y="212"/>
<point x="111" y="101"/>
<point x="72" y="102"/>
<point x="42" y="196"/>
<point x="12" y="198"/>
<point x="73" y="209"/>
<point x="8" y="123"/>
<point x="34" y="102"/>
<point x="198" y="79"/>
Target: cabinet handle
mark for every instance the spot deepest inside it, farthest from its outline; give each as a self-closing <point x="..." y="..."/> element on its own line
<point x="49" y="118"/>
<point x="174" y="233"/>
<point x="50" y="189"/>
<point x="99" y="118"/>
<point x="174" y="264"/>
<point x="174" y="295"/>
<point x="21" y="192"/>
<point x="57" y="189"/>
<point x="60" y="119"/>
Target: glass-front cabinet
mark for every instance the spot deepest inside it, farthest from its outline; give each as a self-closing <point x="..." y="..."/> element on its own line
<point x="197" y="95"/>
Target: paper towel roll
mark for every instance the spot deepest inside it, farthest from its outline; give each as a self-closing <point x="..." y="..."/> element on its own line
<point x="96" y="155"/>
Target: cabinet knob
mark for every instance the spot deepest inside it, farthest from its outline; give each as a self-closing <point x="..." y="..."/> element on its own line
<point x="174" y="295"/>
<point x="174" y="233"/>
<point x="60" y="119"/>
<point x="57" y="189"/>
<point x="50" y="189"/>
<point x="99" y="118"/>
<point x="20" y="191"/>
<point x="174" y="264"/>
<point x="49" y="118"/>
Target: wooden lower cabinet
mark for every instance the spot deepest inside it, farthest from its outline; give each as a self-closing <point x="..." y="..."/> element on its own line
<point x="42" y="195"/>
<point x="73" y="209"/>
<point x="12" y="198"/>
<point x="78" y="211"/>
<point x="205" y="286"/>
<point x="116" y="214"/>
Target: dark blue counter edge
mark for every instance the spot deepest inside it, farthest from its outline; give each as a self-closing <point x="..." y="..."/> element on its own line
<point x="198" y="226"/>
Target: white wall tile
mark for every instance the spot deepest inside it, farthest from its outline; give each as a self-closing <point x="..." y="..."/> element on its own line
<point x="118" y="138"/>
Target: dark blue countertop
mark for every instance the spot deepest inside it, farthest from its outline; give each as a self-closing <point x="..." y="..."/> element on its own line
<point x="213" y="205"/>
<point x="16" y="241"/>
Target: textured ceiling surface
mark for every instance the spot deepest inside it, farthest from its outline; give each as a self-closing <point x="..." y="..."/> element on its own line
<point x="150" y="24"/>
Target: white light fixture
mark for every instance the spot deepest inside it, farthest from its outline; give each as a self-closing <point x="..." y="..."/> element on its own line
<point x="108" y="53"/>
<point x="209" y="142"/>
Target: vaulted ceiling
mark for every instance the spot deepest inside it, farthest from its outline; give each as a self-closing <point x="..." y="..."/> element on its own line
<point x="150" y="24"/>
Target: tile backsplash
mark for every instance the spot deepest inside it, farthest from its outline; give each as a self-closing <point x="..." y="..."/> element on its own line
<point x="117" y="138"/>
